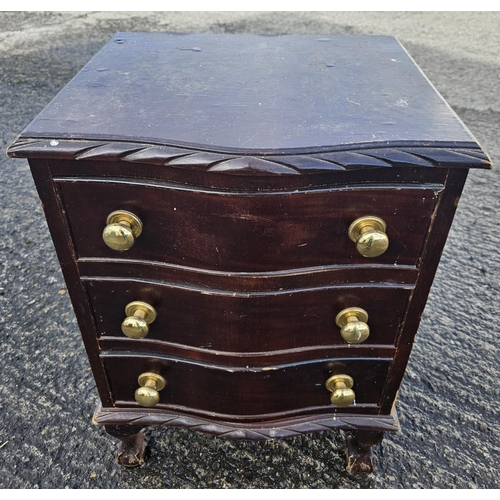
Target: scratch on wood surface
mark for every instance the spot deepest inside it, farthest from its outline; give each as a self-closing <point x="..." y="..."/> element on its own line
<point x="248" y="140"/>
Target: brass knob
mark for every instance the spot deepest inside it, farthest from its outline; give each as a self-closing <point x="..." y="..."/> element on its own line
<point x="121" y="231"/>
<point x="369" y="235"/>
<point x="352" y="322"/>
<point x="147" y="394"/>
<point x="340" y="387"/>
<point x="139" y="316"/>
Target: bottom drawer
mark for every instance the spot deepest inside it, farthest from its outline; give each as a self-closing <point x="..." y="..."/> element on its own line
<point x="247" y="392"/>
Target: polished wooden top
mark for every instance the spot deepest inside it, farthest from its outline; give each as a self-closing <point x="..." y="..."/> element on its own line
<point x="252" y="94"/>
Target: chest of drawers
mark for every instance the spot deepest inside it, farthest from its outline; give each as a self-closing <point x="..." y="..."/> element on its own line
<point x="249" y="227"/>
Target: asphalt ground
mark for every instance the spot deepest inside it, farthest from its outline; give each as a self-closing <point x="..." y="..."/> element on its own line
<point x="449" y="402"/>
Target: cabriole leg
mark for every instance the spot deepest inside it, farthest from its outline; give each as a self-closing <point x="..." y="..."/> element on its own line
<point x="359" y="450"/>
<point x="133" y="447"/>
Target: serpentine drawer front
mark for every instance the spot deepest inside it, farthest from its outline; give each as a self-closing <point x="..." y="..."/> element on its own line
<point x="236" y="393"/>
<point x="248" y="234"/>
<point x="294" y="228"/>
<point x="245" y="322"/>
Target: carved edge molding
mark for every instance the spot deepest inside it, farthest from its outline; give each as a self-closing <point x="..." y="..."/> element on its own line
<point x="256" y="431"/>
<point x="348" y="158"/>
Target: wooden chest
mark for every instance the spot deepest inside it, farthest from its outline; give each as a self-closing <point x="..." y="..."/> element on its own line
<point x="249" y="227"/>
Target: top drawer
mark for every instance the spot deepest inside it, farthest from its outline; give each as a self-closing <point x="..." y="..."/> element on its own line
<point x="247" y="232"/>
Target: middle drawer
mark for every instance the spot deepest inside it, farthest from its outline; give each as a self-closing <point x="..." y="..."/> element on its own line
<point x="248" y="322"/>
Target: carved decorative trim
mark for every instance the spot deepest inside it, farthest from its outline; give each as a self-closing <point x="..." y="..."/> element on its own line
<point x="257" y="431"/>
<point x="349" y="158"/>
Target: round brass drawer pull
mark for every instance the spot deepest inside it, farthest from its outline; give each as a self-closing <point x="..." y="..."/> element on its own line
<point x="139" y="316"/>
<point x="369" y="235"/>
<point x="341" y="388"/>
<point x="353" y="325"/>
<point x="121" y="231"/>
<point x="147" y="394"/>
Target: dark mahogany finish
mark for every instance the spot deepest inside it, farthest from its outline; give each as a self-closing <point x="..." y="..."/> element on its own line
<point x="236" y="393"/>
<point x="246" y="323"/>
<point x="250" y="93"/>
<point x="247" y="158"/>
<point x="294" y="228"/>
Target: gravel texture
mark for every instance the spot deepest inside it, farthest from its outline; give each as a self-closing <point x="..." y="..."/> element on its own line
<point x="450" y="398"/>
